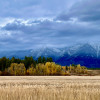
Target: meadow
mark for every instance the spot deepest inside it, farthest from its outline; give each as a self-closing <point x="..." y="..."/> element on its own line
<point x="50" y="88"/>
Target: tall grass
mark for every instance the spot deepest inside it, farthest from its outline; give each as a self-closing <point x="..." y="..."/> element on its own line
<point x="50" y="88"/>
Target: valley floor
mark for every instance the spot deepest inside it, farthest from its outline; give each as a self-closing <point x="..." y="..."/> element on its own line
<point x="49" y="87"/>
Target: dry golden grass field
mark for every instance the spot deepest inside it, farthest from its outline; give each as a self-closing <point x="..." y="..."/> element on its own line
<point x="50" y="88"/>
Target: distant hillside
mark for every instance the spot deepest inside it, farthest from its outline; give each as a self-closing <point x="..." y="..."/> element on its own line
<point x="84" y="54"/>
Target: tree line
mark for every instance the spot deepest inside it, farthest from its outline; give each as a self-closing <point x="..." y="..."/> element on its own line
<point x="41" y="66"/>
<point x="27" y="61"/>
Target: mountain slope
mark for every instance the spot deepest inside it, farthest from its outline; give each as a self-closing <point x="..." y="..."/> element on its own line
<point x="85" y="54"/>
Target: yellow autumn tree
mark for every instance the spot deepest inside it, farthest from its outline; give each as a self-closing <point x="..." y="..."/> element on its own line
<point x="84" y="70"/>
<point x="78" y="69"/>
<point x="17" y="69"/>
<point x="31" y="70"/>
<point x="39" y="69"/>
<point x="71" y="69"/>
<point x="81" y="69"/>
<point x="50" y="68"/>
<point x="53" y="69"/>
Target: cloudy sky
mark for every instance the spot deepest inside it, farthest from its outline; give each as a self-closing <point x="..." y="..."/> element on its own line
<point x="28" y="24"/>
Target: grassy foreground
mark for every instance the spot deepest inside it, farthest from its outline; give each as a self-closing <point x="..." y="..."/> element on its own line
<point x="50" y="88"/>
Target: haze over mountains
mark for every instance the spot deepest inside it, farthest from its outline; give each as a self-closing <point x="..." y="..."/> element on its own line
<point x="84" y="54"/>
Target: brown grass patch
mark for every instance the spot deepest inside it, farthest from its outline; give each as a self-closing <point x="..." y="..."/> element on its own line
<point x="50" y="88"/>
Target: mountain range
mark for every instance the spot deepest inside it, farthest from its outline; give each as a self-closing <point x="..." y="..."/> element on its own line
<point x="84" y="54"/>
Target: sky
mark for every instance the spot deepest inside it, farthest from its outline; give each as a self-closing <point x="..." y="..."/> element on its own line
<point x="29" y="24"/>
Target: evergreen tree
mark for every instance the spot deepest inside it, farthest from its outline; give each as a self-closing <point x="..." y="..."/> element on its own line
<point x="39" y="60"/>
<point x="44" y="60"/>
<point x="49" y="59"/>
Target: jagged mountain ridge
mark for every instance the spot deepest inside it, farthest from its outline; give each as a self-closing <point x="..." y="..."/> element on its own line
<point x="85" y="54"/>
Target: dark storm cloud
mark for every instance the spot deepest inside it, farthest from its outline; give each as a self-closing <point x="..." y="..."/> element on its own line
<point x="54" y="31"/>
<point x="84" y="10"/>
<point x="31" y="27"/>
<point x="28" y="24"/>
